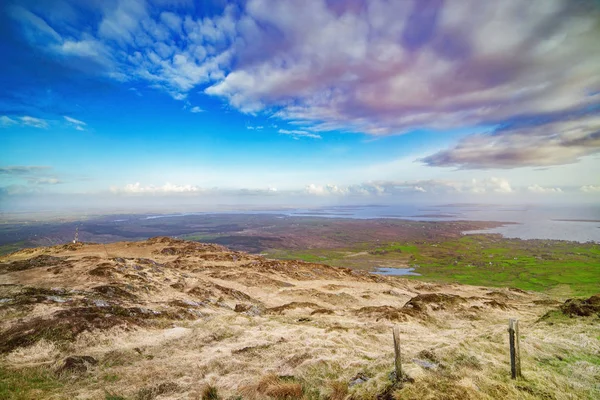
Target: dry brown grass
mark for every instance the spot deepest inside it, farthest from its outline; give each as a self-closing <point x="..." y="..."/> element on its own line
<point x="436" y="387"/>
<point x="285" y="390"/>
<point x="273" y="387"/>
<point x="338" y="390"/>
<point x="210" y="393"/>
<point x="297" y="349"/>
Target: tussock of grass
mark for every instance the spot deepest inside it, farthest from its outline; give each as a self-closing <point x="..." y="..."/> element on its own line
<point x="338" y="390"/>
<point x="210" y="393"/>
<point x="274" y="387"/>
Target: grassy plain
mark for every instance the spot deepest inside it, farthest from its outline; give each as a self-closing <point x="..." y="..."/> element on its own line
<point x="558" y="267"/>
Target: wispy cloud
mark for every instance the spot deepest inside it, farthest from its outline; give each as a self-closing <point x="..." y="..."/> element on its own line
<point x="539" y="189"/>
<point x="74" y="121"/>
<point x="137" y="188"/>
<point x="33" y="175"/>
<point x="44" y="181"/>
<point x="590" y="189"/>
<point x="552" y="143"/>
<point x="492" y="185"/>
<point x="34" y="122"/>
<point x="23" y="169"/>
<point x="196" y="110"/>
<point x="77" y="124"/>
<point x="298" y="134"/>
<point x="7" y="121"/>
<point x="24" y="120"/>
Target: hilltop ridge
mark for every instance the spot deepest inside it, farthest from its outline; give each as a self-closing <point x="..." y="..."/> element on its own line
<point x="166" y="318"/>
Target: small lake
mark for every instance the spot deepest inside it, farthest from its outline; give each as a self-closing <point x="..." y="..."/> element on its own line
<point x="395" y="271"/>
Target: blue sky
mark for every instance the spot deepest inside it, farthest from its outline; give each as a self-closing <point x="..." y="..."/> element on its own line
<point x="292" y="102"/>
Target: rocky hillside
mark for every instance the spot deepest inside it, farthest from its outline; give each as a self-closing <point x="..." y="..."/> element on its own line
<point x="170" y="319"/>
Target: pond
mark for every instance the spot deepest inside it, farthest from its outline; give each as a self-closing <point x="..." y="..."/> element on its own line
<point x="395" y="271"/>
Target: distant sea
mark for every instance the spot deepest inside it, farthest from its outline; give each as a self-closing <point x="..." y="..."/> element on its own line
<point x="575" y="223"/>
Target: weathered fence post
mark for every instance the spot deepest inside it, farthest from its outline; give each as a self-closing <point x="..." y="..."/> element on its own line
<point x="398" y="354"/>
<point x="515" y="351"/>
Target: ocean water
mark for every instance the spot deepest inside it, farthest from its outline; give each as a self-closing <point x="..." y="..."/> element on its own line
<point x="574" y="223"/>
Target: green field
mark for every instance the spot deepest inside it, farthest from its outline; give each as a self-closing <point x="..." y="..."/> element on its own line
<point x="557" y="267"/>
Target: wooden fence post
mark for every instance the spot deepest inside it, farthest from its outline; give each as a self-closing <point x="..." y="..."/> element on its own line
<point x="398" y="354"/>
<point x="515" y="351"/>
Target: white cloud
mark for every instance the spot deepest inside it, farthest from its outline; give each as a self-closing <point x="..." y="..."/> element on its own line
<point x="552" y="143"/>
<point x="381" y="68"/>
<point x="384" y="67"/>
<point x="324" y="190"/>
<point x="137" y="188"/>
<point x="90" y="49"/>
<point x="539" y="189"/>
<point x="74" y="121"/>
<point x="391" y="66"/>
<point x="491" y="185"/>
<point x="24" y="169"/>
<point x="7" y="121"/>
<point x="590" y="189"/>
<point x="24" y="120"/>
<point x="40" y="27"/>
<point x="298" y="134"/>
<point x="121" y="21"/>
<point x="172" y="20"/>
<point x="34" y="122"/>
<point x="196" y="110"/>
<point x="44" y="181"/>
<point x="77" y="124"/>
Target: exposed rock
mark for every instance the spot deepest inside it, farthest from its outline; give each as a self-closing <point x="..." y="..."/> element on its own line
<point x="358" y="379"/>
<point x="426" y="364"/>
<point x="248" y="309"/>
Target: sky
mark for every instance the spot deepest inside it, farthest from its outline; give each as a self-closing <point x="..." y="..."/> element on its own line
<point x="131" y="103"/>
